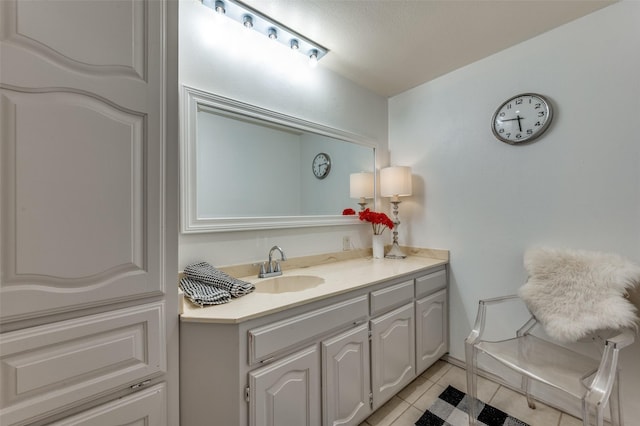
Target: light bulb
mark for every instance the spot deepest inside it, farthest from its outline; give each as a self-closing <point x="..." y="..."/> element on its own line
<point x="313" y="58"/>
<point x="220" y="7"/>
<point x="273" y="34"/>
<point x="247" y="21"/>
<point x="294" y="44"/>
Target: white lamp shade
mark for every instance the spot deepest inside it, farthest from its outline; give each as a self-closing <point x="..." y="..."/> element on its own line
<point x="361" y="185"/>
<point x="395" y="181"/>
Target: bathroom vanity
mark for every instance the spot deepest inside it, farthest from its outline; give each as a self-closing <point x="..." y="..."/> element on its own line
<point x="329" y="352"/>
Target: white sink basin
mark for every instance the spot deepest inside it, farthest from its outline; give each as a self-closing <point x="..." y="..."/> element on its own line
<point x="288" y="283"/>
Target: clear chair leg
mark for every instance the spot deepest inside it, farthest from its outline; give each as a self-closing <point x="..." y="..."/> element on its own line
<point x="614" y="404"/>
<point x="586" y="414"/>
<point x="472" y="382"/>
<point x="599" y="415"/>
<point x="526" y="389"/>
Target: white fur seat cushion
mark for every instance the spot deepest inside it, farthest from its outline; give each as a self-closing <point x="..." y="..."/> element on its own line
<point x="575" y="292"/>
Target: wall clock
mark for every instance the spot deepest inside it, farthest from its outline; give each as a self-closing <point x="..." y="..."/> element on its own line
<point x="521" y="119"/>
<point x="321" y="165"/>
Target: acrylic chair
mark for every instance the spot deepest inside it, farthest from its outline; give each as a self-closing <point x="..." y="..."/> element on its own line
<point x="547" y="360"/>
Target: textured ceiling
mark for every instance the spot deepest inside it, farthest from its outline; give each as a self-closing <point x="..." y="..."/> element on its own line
<point x="390" y="46"/>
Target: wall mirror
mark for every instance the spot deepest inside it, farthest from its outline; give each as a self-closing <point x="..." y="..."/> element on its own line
<point x="245" y="167"/>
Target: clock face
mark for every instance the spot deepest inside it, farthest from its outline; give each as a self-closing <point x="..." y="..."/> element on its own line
<point x="321" y="165"/>
<point x="522" y="118"/>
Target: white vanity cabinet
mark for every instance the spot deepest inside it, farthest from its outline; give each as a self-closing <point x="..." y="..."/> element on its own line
<point x="346" y="380"/>
<point x="329" y="362"/>
<point x="432" y="339"/>
<point x="392" y="353"/>
<point x="431" y="329"/>
<point x="392" y="340"/>
<point x="286" y="392"/>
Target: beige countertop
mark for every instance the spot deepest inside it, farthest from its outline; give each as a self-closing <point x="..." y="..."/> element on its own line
<point x="339" y="277"/>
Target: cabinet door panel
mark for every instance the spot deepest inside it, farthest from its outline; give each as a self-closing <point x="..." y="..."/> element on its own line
<point x="346" y="378"/>
<point x="113" y="38"/>
<point x="82" y="141"/>
<point x="51" y="366"/>
<point x="431" y="329"/>
<point x="392" y="353"/>
<point x="286" y="392"/>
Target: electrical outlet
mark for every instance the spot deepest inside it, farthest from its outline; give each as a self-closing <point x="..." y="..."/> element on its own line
<point x="346" y="243"/>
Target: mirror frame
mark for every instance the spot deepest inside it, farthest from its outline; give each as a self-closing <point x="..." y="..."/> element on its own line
<point x="194" y="101"/>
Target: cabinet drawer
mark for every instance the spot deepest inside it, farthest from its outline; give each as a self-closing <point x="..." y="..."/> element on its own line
<point x="384" y="299"/>
<point x="269" y="339"/>
<point x="430" y="283"/>
<point x="146" y="407"/>
<point x="51" y="366"/>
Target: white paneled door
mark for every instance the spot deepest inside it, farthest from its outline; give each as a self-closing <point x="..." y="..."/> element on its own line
<point x="81" y="154"/>
<point x="83" y="183"/>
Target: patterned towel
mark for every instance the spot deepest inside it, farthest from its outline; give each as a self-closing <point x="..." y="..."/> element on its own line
<point x="203" y="294"/>
<point x="207" y="274"/>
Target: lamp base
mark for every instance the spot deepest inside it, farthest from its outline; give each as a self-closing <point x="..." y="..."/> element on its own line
<point x="395" y="252"/>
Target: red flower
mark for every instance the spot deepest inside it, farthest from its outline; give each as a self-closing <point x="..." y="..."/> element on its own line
<point x="348" y="212"/>
<point x="379" y="221"/>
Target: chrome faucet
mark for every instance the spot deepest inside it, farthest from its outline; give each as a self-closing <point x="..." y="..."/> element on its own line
<point x="273" y="267"/>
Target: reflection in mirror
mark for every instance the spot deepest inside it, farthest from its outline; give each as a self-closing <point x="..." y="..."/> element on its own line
<point x="245" y="167"/>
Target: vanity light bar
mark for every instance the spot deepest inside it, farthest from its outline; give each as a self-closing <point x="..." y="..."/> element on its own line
<point x="268" y="27"/>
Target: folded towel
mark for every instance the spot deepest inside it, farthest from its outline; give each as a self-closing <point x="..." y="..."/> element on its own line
<point x="203" y="294"/>
<point x="206" y="273"/>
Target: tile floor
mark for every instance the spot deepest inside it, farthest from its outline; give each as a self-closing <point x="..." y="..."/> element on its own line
<point x="406" y="408"/>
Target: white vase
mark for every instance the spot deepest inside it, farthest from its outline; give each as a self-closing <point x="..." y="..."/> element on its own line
<point x="378" y="246"/>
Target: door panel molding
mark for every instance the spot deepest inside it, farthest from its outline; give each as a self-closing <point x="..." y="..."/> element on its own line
<point x="114" y="37"/>
<point x="96" y="209"/>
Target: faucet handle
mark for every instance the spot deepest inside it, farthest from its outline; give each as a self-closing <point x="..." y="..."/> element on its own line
<point x="277" y="267"/>
<point x="262" y="267"/>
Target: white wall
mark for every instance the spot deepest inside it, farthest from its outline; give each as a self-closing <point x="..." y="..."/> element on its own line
<point x="578" y="186"/>
<point x="212" y="59"/>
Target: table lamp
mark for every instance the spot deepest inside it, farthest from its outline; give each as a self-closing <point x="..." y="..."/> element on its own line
<point x="395" y="182"/>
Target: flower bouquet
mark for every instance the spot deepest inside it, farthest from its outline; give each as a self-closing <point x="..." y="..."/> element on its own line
<point x="379" y="221"/>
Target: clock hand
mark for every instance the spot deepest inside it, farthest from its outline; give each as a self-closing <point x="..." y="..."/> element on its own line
<point x="518" y="118"/>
